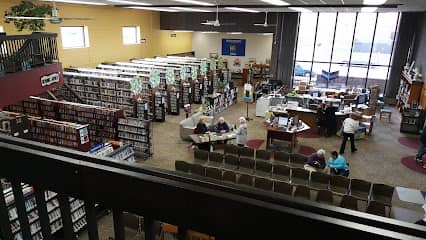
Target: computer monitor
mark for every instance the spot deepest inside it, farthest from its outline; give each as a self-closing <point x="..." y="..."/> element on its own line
<point x="282" y="121"/>
<point x="316" y="94"/>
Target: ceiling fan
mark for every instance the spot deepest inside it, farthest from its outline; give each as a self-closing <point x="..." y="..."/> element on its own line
<point x="216" y="22"/>
<point x="265" y="24"/>
<point x="54" y="19"/>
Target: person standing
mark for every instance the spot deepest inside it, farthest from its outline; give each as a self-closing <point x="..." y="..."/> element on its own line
<point x="316" y="161"/>
<point x="242" y="132"/>
<point x="422" y="149"/>
<point x="337" y="165"/>
<point x="350" y="126"/>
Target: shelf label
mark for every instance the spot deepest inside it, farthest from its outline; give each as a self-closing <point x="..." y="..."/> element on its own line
<point x="49" y="79"/>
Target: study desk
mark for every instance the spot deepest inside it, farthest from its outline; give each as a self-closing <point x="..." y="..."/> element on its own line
<point x="308" y="116"/>
<point x="284" y="134"/>
<point x="212" y="137"/>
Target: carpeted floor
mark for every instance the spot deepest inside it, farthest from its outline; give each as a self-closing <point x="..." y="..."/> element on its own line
<point x="411" y="142"/>
<point x="411" y="164"/>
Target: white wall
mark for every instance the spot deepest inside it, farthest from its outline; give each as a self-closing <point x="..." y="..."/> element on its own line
<point x="257" y="46"/>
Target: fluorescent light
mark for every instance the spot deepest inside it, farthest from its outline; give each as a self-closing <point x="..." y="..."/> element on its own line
<point x="374" y="2"/>
<point x="182" y="31"/>
<point x="276" y="2"/>
<point x="155" y="9"/>
<point x="299" y="9"/>
<point x="265" y="34"/>
<point x="242" y="9"/>
<point x="129" y="2"/>
<point x="75" y="1"/>
<point x="368" y="9"/>
<point x="195" y="2"/>
<point x="234" y="33"/>
<point x="209" y="32"/>
<point x="190" y="9"/>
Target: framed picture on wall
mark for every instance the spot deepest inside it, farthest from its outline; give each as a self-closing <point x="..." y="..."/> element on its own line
<point x="213" y="55"/>
<point x="233" y="47"/>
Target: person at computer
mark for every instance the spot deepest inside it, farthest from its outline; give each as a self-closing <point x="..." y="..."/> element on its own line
<point x="350" y="126"/>
<point x="337" y="165"/>
<point x="242" y="132"/>
<point x="316" y="161"/>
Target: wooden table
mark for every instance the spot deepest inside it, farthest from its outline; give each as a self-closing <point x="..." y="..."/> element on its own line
<point x="206" y="140"/>
<point x="284" y="134"/>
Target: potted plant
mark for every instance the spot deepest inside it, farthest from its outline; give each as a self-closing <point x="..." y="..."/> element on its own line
<point x="220" y="85"/>
<point x="28" y="9"/>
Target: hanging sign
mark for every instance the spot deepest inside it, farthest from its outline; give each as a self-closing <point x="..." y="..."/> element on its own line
<point x="154" y="78"/>
<point x="194" y="73"/>
<point x="212" y="64"/>
<point x="170" y="76"/>
<point x="136" y="85"/>
<point x="203" y="69"/>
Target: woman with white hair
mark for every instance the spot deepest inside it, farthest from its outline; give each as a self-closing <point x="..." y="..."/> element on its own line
<point x="316" y="161"/>
<point x="242" y="132"/>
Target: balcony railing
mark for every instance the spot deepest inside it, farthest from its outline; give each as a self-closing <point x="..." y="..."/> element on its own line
<point x="22" y="52"/>
<point x="224" y="211"/>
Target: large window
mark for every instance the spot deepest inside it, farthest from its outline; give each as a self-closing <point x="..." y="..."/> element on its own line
<point x="131" y="35"/>
<point x="75" y="37"/>
<point x="338" y="50"/>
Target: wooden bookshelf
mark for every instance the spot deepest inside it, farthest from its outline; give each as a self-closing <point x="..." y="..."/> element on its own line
<point x="136" y="133"/>
<point x="409" y="90"/>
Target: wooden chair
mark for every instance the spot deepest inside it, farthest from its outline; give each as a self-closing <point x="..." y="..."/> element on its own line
<point x="168" y="229"/>
<point x="386" y="113"/>
<point x="263" y="183"/>
<point x="182" y="166"/>
<point x="283" y="187"/>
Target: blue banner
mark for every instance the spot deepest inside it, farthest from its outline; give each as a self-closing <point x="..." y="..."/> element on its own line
<point x="233" y="47"/>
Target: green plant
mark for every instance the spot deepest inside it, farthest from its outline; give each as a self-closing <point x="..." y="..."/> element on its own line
<point x="221" y="84"/>
<point x="28" y="9"/>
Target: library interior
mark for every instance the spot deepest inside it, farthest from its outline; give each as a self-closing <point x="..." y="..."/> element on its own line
<point x="203" y="119"/>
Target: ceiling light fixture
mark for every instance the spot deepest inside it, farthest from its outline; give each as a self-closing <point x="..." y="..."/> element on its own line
<point x="184" y="9"/>
<point x="155" y="9"/>
<point x="242" y="9"/>
<point x="265" y="34"/>
<point x="183" y="31"/>
<point x="76" y="2"/>
<point x="368" y="9"/>
<point x="234" y="33"/>
<point x="299" y="9"/>
<point x="129" y="2"/>
<point x="195" y="2"/>
<point x="209" y="32"/>
<point x="276" y="2"/>
<point x="374" y="2"/>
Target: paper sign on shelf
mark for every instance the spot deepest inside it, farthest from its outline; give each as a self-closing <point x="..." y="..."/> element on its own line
<point x="248" y="93"/>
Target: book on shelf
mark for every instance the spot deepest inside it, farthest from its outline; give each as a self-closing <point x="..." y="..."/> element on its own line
<point x="136" y="133"/>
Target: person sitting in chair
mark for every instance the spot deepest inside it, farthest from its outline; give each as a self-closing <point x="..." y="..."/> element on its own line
<point x="316" y="161"/>
<point x="337" y="165"/>
<point x="221" y="126"/>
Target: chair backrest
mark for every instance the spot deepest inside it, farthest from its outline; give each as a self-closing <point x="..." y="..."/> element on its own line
<point x="231" y="160"/>
<point x="281" y="170"/>
<point x="198" y="169"/>
<point x="298" y="158"/>
<point x="213" y="173"/>
<point x="201" y="154"/>
<point x="283" y="187"/>
<point x="360" y="185"/>
<point x="182" y="166"/>
<point x="302" y="192"/>
<point x="245" y="179"/>
<point x="339" y="181"/>
<point x="349" y="202"/>
<point x="319" y="177"/>
<point x="299" y="173"/>
<point x="384" y="191"/>
<point x="247" y="152"/>
<point x="281" y="156"/>
<point x="216" y="157"/>
<point x="263" y="183"/>
<point x="325" y="196"/>
<point x="232" y="149"/>
<point x="246" y="163"/>
<point x="262" y="154"/>
<point x="263" y="166"/>
<point x="229" y="176"/>
<point x="376" y="208"/>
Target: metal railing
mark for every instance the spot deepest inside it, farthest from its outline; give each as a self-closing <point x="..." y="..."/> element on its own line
<point x="22" y="52"/>
<point x="225" y="211"/>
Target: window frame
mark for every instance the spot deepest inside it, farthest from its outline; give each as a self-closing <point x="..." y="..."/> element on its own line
<point x="138" y="35"/>
<point x="86" y="41"/>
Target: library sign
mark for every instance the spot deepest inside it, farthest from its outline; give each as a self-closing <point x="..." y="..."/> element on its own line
<point x="49" y="79"/>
